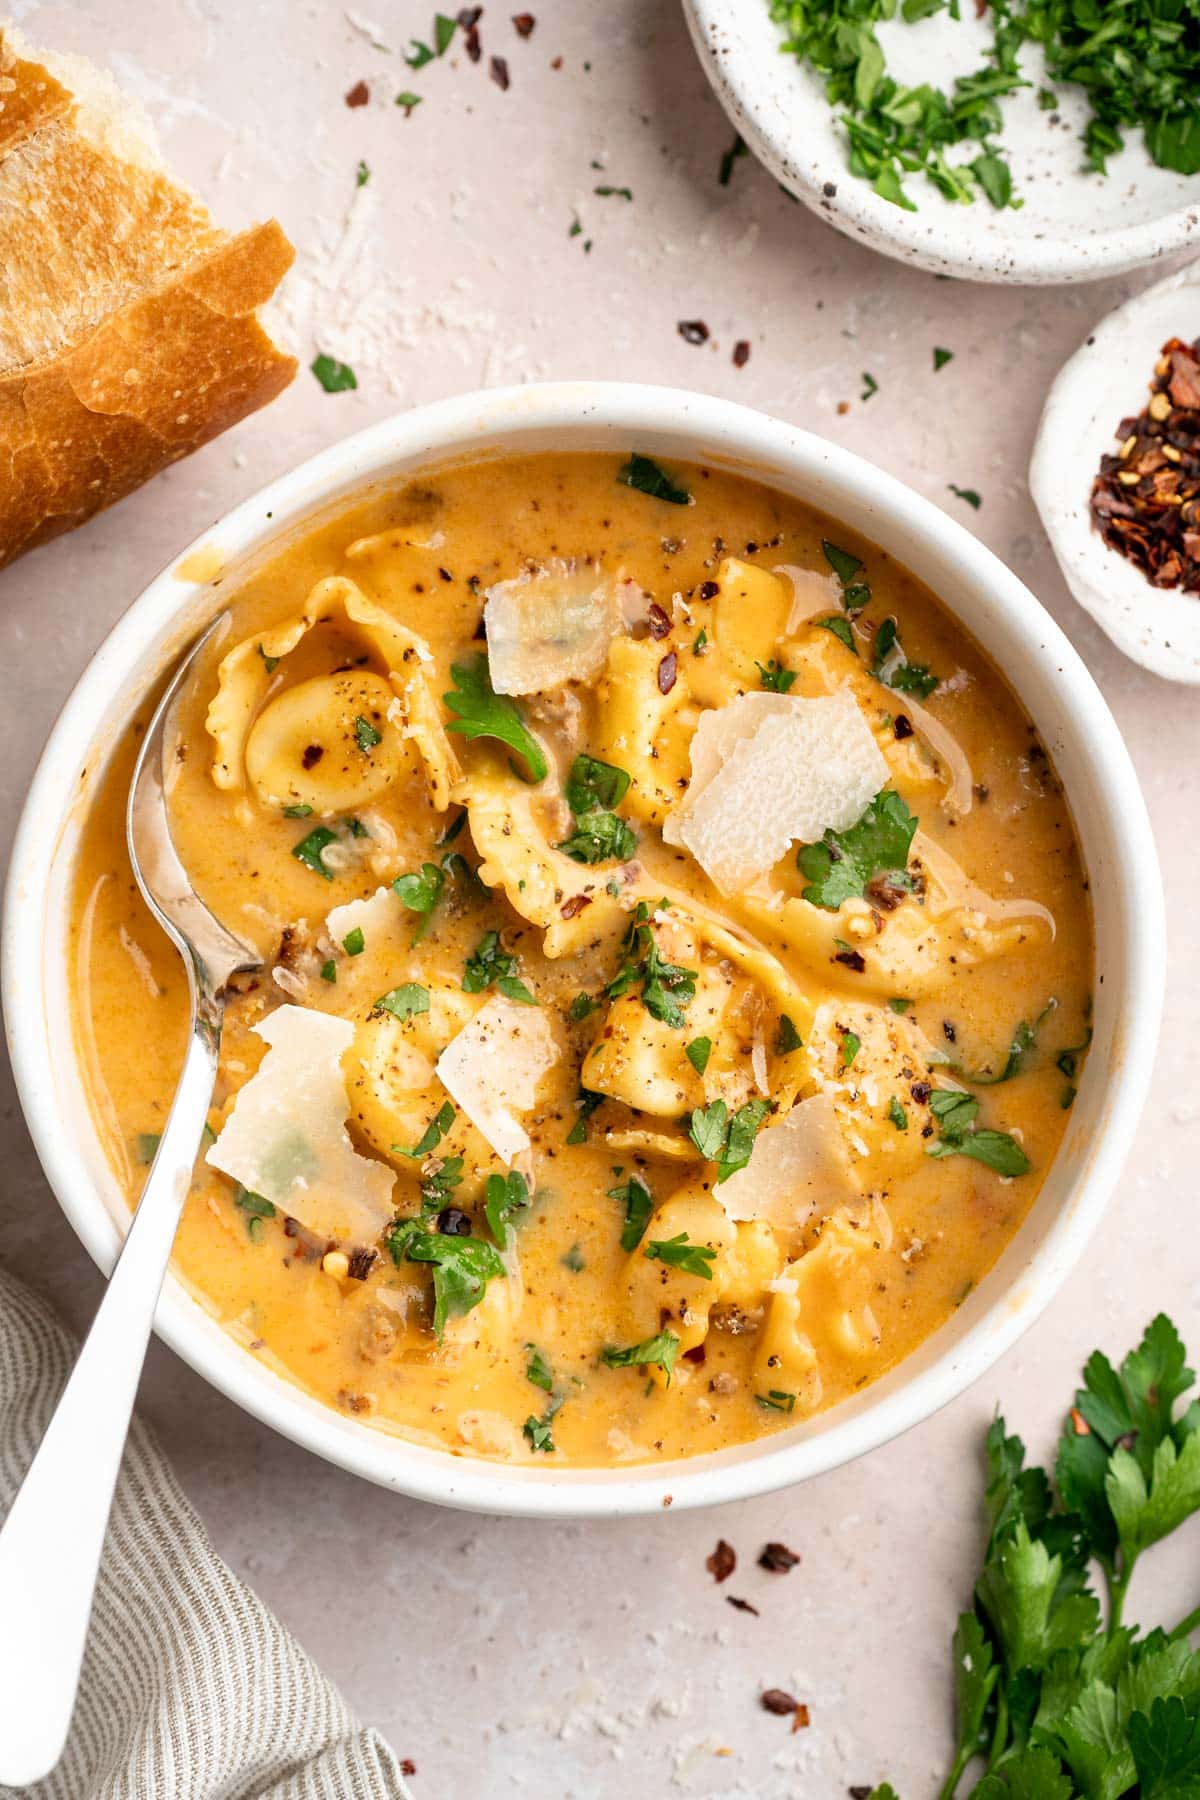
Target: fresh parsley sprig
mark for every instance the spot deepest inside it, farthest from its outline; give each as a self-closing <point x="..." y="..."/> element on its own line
<point x="666" y="989"/>
<point x="490" y="966"/>
<point x="956" y="1114"/>
<point x="727" y="1141"/>
<point x="479" y="712"/>
<point x="876" y="847"/>
<point x="594" y="789"/>
<point x="1056" y="1698"/>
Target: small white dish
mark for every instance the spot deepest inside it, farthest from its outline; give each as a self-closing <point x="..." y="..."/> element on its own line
<point x="1073" y="226"/>
<point x="1071" y="719"/>
<point x="1107" y="380"/>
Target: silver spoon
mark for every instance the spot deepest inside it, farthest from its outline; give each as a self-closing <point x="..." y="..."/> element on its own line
<point x="52" y="1538"/>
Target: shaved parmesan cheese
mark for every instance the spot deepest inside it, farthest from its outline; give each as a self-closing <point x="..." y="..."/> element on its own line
<point x="770" y="770"/>
<point x="799" y="1168"/>
<point x="549" y="626"/>
<point x="373" y="916"/>
<point x="286" y="1138"/>
<point x="956" y="889"/>
<point x="812" y="593"/>
<point x="493" y="1067"/>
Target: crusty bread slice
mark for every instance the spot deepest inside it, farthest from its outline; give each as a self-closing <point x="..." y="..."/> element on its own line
<point x="128" y="327"/>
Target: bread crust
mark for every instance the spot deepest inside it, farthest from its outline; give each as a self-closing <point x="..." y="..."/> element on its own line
<point x="152" y="382"/>
<point x="128" y="334"/>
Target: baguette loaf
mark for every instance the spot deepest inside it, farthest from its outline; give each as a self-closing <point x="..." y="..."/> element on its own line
<point x="129" y="333"/>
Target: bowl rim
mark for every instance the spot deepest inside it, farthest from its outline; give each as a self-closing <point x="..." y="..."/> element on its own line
<point x="448" y="430"/>
<point x="928" y="239"/>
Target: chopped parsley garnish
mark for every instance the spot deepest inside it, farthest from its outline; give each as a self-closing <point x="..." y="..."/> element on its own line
<point x="354" y="943"/>
<point x="842" y="865"/>
<point x="538" y="1430"/>
<point x="437" y="1188"/>
<point x="443" y="32"/>
<point x="365" y="735"/>
<point x="659" y="1351"/>
<point x="329" y="970"/>
<point x="870" y="385"/>
<point x="417" y="54"/>
<point x="897" y="1114"/>
<point x="362" y="175"/>
<point x="599" y="837"/>
<point x="256" y="1209"/>
<point x="666" y="989"/>
<point x="479" y="712"/>
<point x="784" y="1401"/>
<point x="301" y="810"/>
<point x="787" y="1038"/>
<point x="851" y="1045"/>
<point x="955" y="1114"/>
<point x="642" y="473"/>
<point x="309" y="849"/>
<point x="270" y="663"/>
<point x="1024" y="1039"/>
<point x="639" y="1204"/>
<point x="899" y="1003"/>
<point x="774" y="678"/>
<point x="408" y="101"/>
<point x="404" y="1002"/>
<point x="537" y="1369"/>
<point x="972" y="496"/>
<point x="490" y="966"/>
<point x="941" y="357"/>
<point x="432" y="1135"/>
<point x="698" y="1053"/>
<point x="504" y="1197"/>
<point x="420" y="892"/>
<point x="726" y="1141"/>
<point x="613" y="193"/>
<point x="587" y="1104"/>
<point x="844" y="563"/>
<point x="890" y="665"/>
<point x="593" y="785"/>
<point x="357" y="829"/>
<point x="679" y="1253"/>
<point x="147" y="1146"/>
<point x="841" y="629"/>
<point x="335" y="377"/>
<point x="1053" y="1691"/>
<point x="573" y="1259"/>
<point x="462" y="1267"/>
<point x="581" y="1007"/>
<point x="700" y="642"/>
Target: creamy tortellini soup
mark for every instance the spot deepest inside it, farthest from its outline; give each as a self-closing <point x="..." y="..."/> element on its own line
<point x="676" y="962"/>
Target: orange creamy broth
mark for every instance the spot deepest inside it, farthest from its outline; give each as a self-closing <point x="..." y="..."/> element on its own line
<point x="928" y="1228"/>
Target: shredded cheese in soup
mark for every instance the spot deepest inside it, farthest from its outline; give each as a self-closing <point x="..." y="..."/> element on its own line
<point x="676" y="962"/>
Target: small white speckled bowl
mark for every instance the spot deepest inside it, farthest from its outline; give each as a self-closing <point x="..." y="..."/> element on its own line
<point x="1073" y="225"/>
<point x="1069" y="715"/>
<point x="1107" y="380"/>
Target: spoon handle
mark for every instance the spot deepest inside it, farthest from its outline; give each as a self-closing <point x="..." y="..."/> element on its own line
<point x="51" y="1541"/>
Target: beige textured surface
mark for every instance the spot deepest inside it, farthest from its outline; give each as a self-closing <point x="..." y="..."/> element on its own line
<point x="509" y="1657"/>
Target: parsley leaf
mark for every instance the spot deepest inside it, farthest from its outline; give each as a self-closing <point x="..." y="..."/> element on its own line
<point x="504" y="1196"/>
<point x="698" y="1053"/>
<point x="729" y="1142"/>
<point x="1024" y="1039"/>
<point x="840" y="867"/>
<point x="537" y="1369"/>
<point x="462" y="1268"/>
<point x="404" y="1002"/>
<point x="841" y="629"/>
<point x="309" y="849"/>
<point x="420" y="892"/>
<point x="787" y="1038"/>
<point x="365" y="735"/>
<point x="479" y="712"/>
<point x="660" y="1351"/>
<point x="642" y="473"/>
<point x="335" y="377"/>
<point x="890" y="665"/>
<point x="844" y="563"/>
<point x="666" y="988"/>
<point x="774" y="678"/>
<point x="432" y="1135"/>
<point x="599" y="837"/>
<point x="490" y="966"/>
<point x="679" y="1253"/>
<point x="639" y="1204"/>
<point x="593" y="785"/>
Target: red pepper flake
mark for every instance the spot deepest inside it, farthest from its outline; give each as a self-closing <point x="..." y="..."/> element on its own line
<point x="722" y="1562"/>
<point x="570" y="909"/>
<point x="557" y="63"/>
<point x="802" y="1719"/>
<point x="1079" y="1423"/>
<point x="359" y="94"/>
<point x="498" y="69"/>
<point x="666" y="672"/>
<point x="742" y="1605"/>
<point x="1145" y="500"/>
<point x="779" y="1702"/>
<point x="660" y="624"/>
<point x="777" y="1559"/>
<point x="709" y="590"/>
<point x="362" y="1261"/>
<point x="524" y="23"/>
<point x="741" y="353"/>
<point x="407" y="1766"/>
<point x="901" y="727"/>
<point x="851" y="959"/>
<point x="693" y="331"/>
<point x="468" y="19"/>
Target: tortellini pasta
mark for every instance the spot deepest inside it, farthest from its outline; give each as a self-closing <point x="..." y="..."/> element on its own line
<point x="820" y="1316"/>
<point x="643" y="730"/>
<point x="309" y="748"/>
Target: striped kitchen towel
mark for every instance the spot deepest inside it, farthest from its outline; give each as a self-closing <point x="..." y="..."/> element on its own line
<point x="191" y="1689"/>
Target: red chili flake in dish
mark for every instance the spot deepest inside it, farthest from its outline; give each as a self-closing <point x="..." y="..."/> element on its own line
<point x="361" y="1263"/>
<point x="741" y="353"/>
<point x="722" y="1562"/>
<point x="777" y="1559"/>
<point x="498" y="70"/>
<point x="902" y="727"/>
<point x="359" y="94"/>
<point x="693" y="331"/>
<point x="666" y="672"/>
<point x="709" y="590"/>
<point x="742" y="1605"/>
<point x="778" y="1701"/>
<point x="851" y="959"/>
<point x="920" y="1091"/>
<point x="1145" y="500"/>
<point x="524" y="23"/>
<point x="570" y="909"/>
<point x="660" y="624"/>
<point x="409" y="1767"/>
